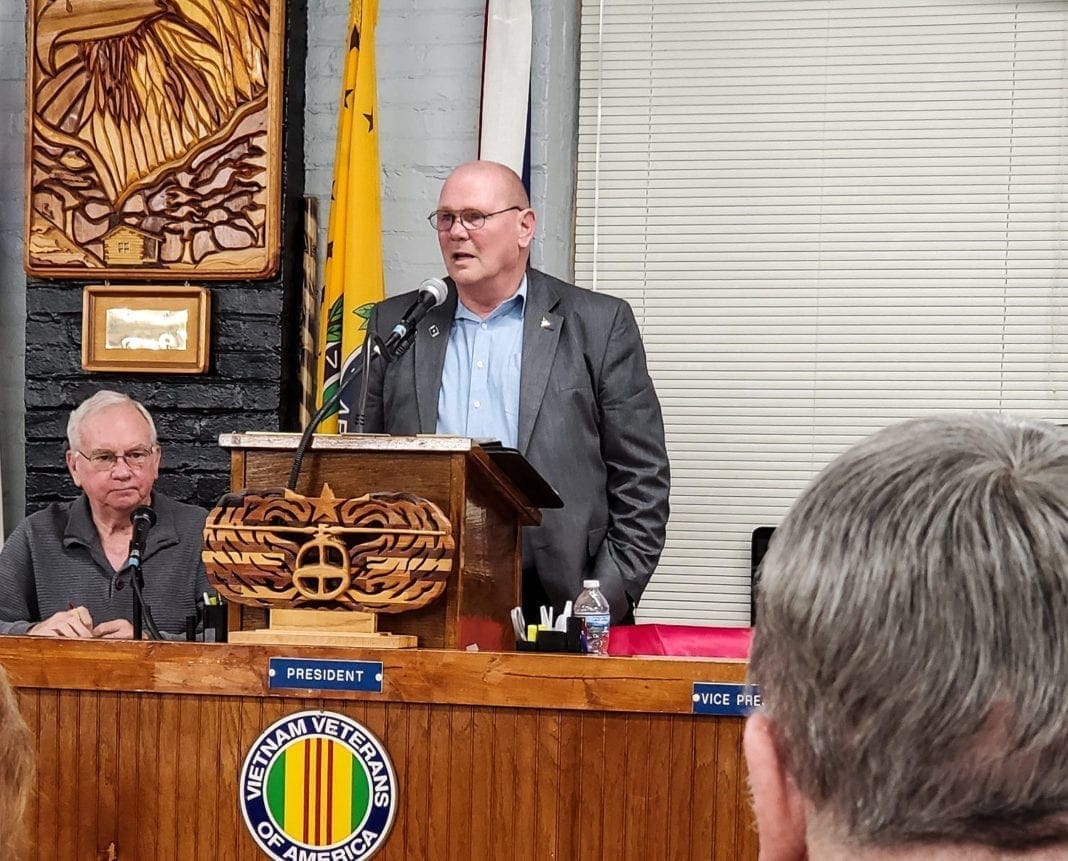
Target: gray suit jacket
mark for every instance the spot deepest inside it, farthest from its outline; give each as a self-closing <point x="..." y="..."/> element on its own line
<point x="589" y="422"/>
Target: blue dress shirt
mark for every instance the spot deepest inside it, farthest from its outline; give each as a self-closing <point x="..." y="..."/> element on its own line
<point x="479" y="394"/>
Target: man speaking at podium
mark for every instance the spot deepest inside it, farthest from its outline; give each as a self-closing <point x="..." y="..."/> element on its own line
<point x="59" y="570"/>
<point x="553" y="370"/>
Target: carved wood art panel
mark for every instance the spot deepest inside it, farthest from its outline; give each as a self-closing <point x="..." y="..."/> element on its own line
<point x="154" y="138"/>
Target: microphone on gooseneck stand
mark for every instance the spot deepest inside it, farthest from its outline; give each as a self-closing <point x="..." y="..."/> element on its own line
<point x="143" y="519"/>
<point x="432" y="293"/>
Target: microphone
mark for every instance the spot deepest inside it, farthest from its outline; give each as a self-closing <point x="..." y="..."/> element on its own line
<point x="143" y="519"/>
<point x="432" y="293"/>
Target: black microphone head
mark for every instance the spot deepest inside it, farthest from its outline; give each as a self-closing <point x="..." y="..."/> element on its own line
<point x="437" y="288"/>
<point x="144" y="514"/>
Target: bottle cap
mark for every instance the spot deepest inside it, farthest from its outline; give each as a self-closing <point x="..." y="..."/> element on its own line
<point x="591" y="584"/>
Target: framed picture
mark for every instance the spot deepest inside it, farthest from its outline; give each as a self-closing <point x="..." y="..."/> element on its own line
<point x="158" y="330"/>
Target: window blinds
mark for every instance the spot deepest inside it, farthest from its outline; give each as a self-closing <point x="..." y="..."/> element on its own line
<point x="828" y="216"/>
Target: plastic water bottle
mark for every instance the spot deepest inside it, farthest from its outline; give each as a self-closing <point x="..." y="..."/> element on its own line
<point x="592" y="608"/>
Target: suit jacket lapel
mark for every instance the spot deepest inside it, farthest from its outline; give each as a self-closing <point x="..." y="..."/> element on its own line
<point x="430" y="359"/>
<point x="541" y="334"/>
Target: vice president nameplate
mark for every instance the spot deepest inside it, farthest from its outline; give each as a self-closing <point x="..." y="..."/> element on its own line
<point x="725" y="700"/>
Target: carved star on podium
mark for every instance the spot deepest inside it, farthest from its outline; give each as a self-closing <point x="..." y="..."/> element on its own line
<point x="324" y="507"/>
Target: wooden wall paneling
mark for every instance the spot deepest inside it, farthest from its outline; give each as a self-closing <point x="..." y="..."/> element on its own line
<point x="439" y="778"/>
<point x="189" y="749"/>
<point x="83" y="768"/>
<point x="419" y="790"/>
<point x="169" y="775"/>
<point x="678" y="781"/>
<point x="502" y="778"/>
<point x="379" y="718"/>
<point x="658" y="755"/>
<point x="395" y="738"/>
<point x="569" y="779"/>
<point x="462" y="815"/>
<point x="525" y="788"/>
<point x="230" y="710"/>
<point x="482" y="837"/>
<point x="546" y="777"/>
<point x="728" y="787"/>
<point x="640" y="780"/>
<point x="28" y="701"/>
<point x="144" y="809"/>
<point x="703" y="797"/>
<point x="747" y="844"/>
<point x="594" y="786"/>
<point x="107" y="778"/>
<point x="255" y="717"/>
<point x="67" y="761"/>
<point x="47" y="814"/>
<point x="204" y="762"/>
<point x="126" y="802"/>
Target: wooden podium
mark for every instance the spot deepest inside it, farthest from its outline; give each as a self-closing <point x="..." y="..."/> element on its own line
<point x="485" y="507"/>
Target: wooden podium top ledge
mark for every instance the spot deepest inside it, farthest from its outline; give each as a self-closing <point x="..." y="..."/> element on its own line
<point x="451" y="677"/>
<point x="349" y="442"/>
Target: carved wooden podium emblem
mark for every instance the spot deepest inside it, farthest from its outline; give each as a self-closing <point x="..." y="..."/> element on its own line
<point x="382" y="553"/>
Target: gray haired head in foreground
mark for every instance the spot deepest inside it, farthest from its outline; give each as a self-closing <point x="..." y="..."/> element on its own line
<point x="912" y="636"/>
<point x="100" y="401"/>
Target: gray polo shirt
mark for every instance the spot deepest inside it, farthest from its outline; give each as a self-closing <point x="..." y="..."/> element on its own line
<point x="54" y="560"/>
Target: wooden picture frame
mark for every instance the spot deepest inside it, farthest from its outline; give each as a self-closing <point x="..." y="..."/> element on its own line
<point x="154" y="140"/>
<point x="157" y="329"/>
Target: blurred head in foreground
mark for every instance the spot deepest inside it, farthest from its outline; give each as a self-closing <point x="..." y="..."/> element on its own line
<point x="912" y="650"/>
<point x="16" y="770"/>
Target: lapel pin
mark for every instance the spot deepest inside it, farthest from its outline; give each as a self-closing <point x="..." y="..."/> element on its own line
<point x="434" y="330"/>
<point x="545" y="324"/>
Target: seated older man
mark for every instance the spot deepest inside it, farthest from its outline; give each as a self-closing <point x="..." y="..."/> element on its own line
<point x="59" y="569"/>
<point x="912" y="651"/>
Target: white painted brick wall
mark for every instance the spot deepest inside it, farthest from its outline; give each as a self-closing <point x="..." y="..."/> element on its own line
<point x="429" y="69"/>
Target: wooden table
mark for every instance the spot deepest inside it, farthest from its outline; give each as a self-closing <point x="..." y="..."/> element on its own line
<point x="497" y="755"/>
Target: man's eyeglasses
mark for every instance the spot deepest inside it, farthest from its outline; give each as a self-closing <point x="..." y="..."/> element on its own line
<point x="472" y="219"/>
<point x="104" y="461"/>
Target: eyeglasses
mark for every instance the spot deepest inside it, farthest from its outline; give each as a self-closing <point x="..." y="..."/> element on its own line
<point x="104" y="461"/>
<point x="472" y="219"/>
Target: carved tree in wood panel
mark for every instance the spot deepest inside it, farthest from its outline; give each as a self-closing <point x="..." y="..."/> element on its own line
<point x="383" y="552"/>
<point x="153" y="148"/>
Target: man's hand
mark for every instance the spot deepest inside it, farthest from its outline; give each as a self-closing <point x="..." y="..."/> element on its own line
<point x="75" y="622"/>
<point x="114" y="629"/>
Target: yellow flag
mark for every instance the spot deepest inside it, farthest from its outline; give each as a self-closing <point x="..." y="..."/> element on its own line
<point x="352" y="281"/>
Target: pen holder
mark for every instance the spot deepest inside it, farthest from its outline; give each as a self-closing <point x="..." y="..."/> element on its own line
<point x="215" y="619"/>
<point x="571" y="641"/>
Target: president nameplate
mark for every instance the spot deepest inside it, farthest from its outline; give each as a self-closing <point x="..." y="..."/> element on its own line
<point x="312" y="674"/>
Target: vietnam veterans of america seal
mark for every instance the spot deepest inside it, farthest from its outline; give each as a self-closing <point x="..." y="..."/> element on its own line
<point x="318" y="786"/>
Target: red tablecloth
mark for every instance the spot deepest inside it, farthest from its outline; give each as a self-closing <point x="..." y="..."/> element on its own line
<point x="680" y="640"/>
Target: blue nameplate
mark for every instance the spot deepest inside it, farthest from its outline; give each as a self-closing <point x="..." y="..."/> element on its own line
<point x="725" y="699"/>
<point x="319" y="675"/>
